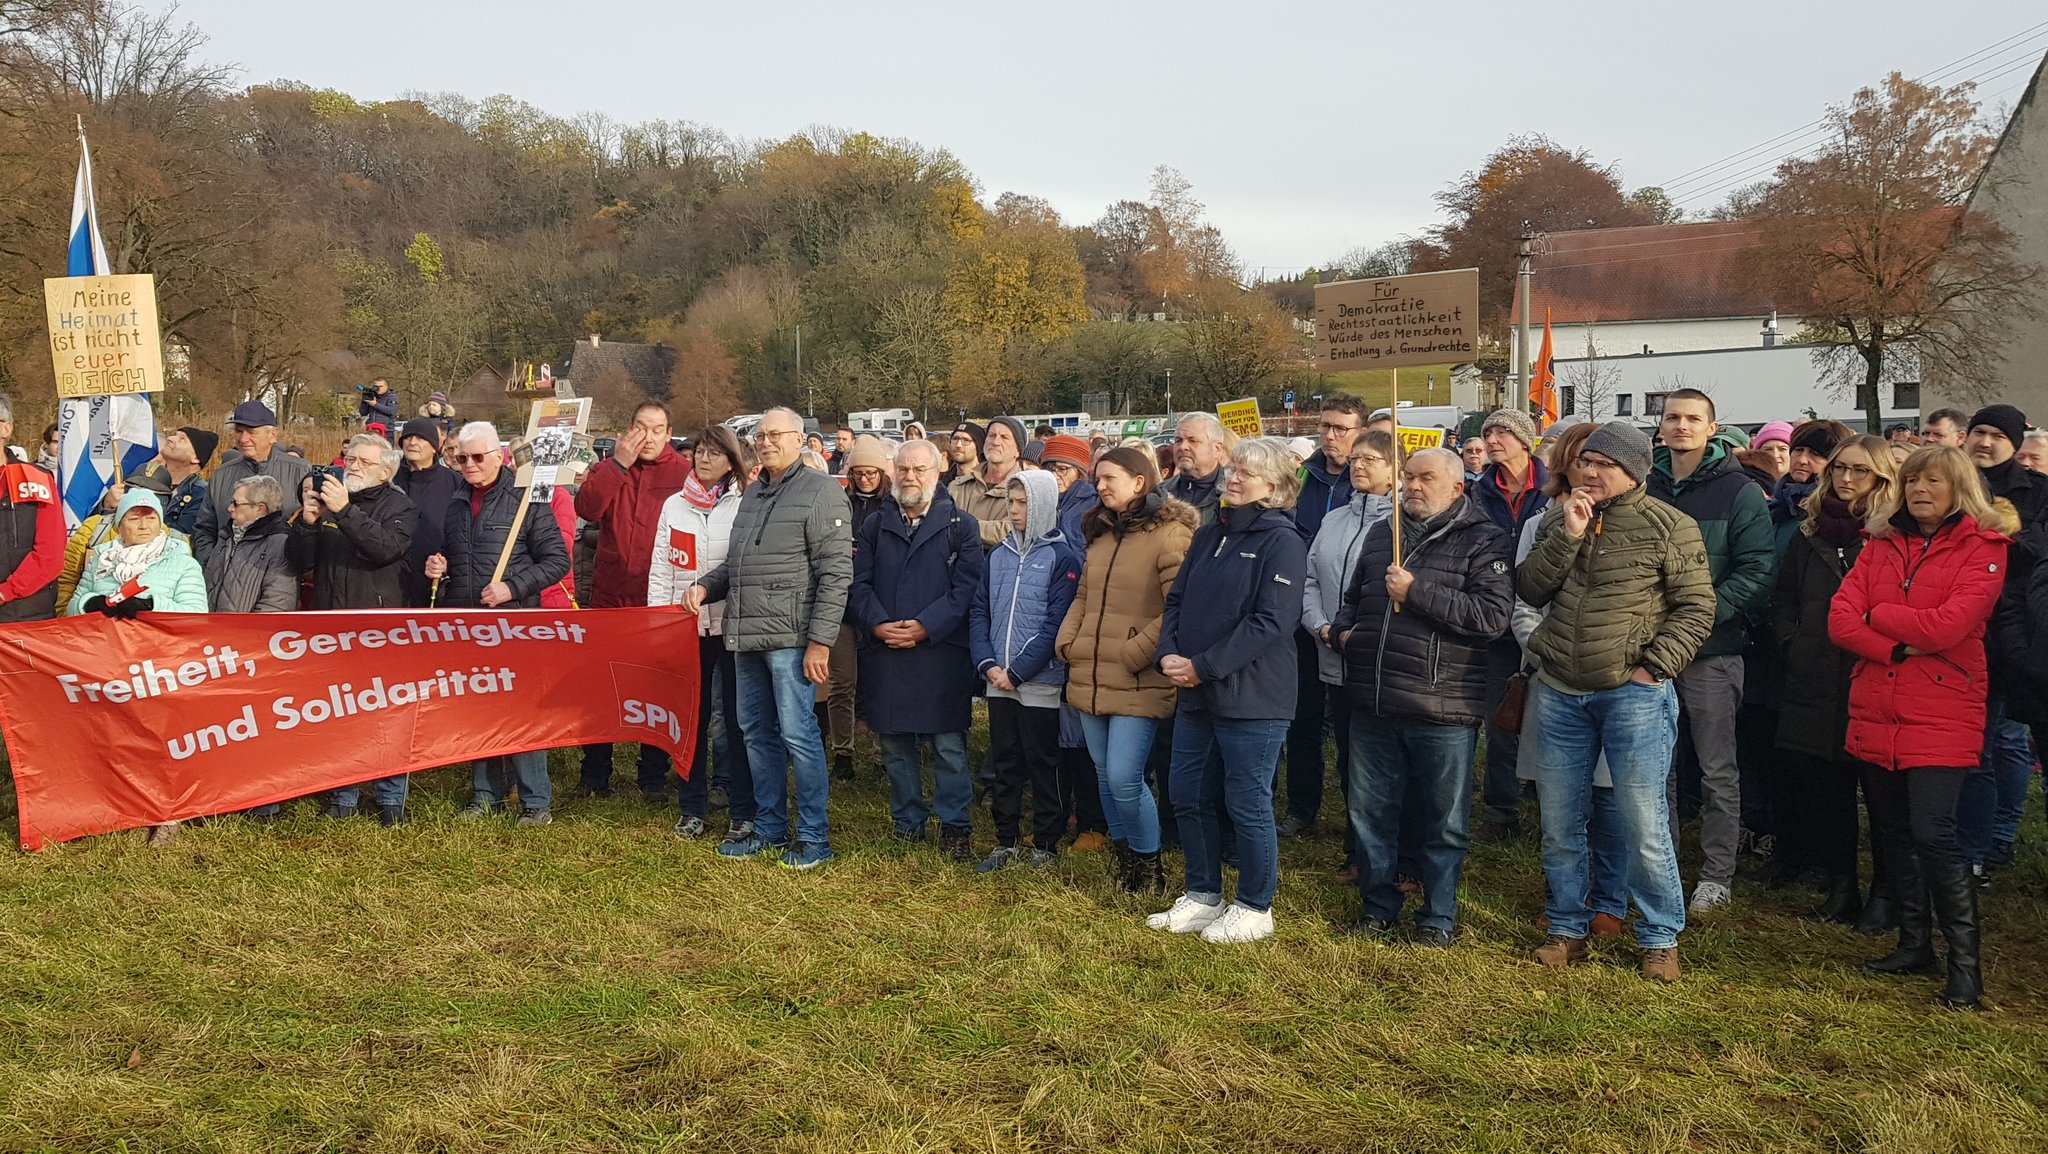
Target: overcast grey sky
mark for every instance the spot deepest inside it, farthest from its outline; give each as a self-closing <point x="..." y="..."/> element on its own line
<point x="1305" y="129"/>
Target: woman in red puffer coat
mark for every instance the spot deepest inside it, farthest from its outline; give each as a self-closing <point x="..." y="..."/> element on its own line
<point x="1913" y="609"/>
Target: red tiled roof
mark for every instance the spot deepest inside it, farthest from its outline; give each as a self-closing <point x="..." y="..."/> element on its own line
<point x="1652" y="273"/>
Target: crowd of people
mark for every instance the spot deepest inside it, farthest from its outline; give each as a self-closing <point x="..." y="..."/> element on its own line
<point x="1762" y="627"/>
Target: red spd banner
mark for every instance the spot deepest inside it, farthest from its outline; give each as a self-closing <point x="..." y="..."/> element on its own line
<point x="114" y="724"/>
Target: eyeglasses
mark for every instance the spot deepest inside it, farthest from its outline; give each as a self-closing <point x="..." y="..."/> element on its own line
<point x="1329" y="427"/>
<point x="1859" y="472"/>
<point x="771" y="434"/>
<point x="376" y="462"/>
<point x="1587" y="461"/>
<point x="234" y="504"/>
<point x="1368" y="459"/>
<point x="470" y="458"/>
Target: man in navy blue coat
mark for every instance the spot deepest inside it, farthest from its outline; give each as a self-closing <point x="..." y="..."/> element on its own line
<point x="916" y="570"/>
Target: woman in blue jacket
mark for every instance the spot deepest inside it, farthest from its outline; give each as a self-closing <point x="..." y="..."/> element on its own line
<point x="1225" y="642"/>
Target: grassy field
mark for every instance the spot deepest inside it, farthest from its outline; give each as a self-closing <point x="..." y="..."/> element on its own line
<point x="1374" y="386"/>
<point x="599" y="985"/>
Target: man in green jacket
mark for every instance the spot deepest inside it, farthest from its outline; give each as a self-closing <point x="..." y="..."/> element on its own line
<point x="1696" y="473"/>
<point x="1628" y="599"/>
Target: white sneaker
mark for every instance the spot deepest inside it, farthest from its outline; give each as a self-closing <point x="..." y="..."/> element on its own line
<point x="1708" y="896"/>
<point x="1185" y="916"/>
<point x="1240" y="924"/>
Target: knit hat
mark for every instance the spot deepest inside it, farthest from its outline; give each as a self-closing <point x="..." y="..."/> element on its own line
<point x="203" y="443"/>
<point x="441" y="397"/>
<point x="1772" y="431"/>
<point x="867" y="453"/>
<point x="1066" y="447"/>
<point x="1033" y="453"/>
<point x="253" y="415"/>
<point x="2005" y="419"/>
<point x="422" y="427"/>
<point x="1514" y="421"/>
<point x="1302" y="447"/>
<point x="977" y="432"/>
<point x="1816" y="437"/>
<point x="1624" y="444"/>
<point x="1016" y="428"/>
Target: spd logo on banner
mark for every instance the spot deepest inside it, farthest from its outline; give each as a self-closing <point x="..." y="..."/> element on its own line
<point x="113" y="724"/>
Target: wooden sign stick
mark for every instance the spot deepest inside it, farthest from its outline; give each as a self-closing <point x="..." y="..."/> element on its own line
<point x="1394" y="405"/>
<point x="512" y="536"/>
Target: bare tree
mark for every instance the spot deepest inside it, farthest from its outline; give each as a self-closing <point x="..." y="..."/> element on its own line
<point x="1593" y="382"/>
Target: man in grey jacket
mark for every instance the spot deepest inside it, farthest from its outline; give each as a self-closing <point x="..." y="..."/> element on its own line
<point x="256" y="441"/>
<point x="784" y="586"/>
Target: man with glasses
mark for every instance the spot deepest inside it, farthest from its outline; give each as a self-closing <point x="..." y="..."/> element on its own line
<point x="1631" y="600"/>
<point x="784" y="585"/>
<point x="353" y="532"/>
<point x="479" y="518"/>
<point x="1325" y="485"/>
<point x="1201" y="448"/>
<point x="256" y="441"/>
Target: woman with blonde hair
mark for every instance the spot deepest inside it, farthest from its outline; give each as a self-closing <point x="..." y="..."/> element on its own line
<point x="1914" y="609"/>
<point x="1224" y="642"/>
<point x="1813" y="705"/>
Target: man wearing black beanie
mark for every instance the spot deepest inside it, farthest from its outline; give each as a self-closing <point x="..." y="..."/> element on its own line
<point x="1999" y="783"/>
<point x="179" y="459"/>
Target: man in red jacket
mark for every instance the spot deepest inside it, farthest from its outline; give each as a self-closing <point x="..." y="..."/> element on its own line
<point x="623" y="498"/>
<point x="31" y="533"/>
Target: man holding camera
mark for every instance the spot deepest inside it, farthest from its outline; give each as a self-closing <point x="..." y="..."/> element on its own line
<point x="378" y="404"/>
<point x="353" y="532"/>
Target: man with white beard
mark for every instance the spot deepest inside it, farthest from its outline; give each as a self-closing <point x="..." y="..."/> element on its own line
<point x="354" y="533"/>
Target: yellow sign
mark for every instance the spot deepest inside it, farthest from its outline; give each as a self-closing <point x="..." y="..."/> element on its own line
<point x="103" y="335"/>
<point x="1413" y="439"/>
<point x="1240" y="417"/>
<point x="1428" y="318"/>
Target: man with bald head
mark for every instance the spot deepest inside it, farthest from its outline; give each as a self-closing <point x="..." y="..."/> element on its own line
<point x="1414" y="630"/>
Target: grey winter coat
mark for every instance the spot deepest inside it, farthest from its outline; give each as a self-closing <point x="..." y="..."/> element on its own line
<point x="1331" y="558"/>
<point x="785" y="578"/>
<point x="213" y="526"/>
<point x="253" y="574"/>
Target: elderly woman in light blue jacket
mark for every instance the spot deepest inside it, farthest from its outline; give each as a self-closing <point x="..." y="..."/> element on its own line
<point x="144" y="551"/>
<point x="1331" y="558"/>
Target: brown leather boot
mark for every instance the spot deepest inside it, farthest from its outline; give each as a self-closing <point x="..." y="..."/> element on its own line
<point x="1661" y="965"/>
<point x="1558" y="951"/>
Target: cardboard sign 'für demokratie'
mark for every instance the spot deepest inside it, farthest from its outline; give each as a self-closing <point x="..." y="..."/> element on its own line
<point x="103" y="335"/>
<point x="1429" y="318"/>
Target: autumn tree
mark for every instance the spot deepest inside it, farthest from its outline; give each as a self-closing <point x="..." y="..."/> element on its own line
<point x="701" y="391"/>
<point x="1532" y="181"/>
<point x="1869" y="240"/>
<point x="1230" y="345"/>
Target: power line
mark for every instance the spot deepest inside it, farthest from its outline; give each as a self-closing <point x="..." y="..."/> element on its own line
<point x="1696" y="175"/>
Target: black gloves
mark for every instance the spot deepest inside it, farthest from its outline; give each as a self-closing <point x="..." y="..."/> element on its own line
<point x="123" y="609"/>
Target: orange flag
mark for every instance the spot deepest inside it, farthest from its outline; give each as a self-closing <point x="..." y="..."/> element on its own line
<point x="1543" y="382"/>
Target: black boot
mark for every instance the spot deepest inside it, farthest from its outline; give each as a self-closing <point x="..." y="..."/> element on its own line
<point x="1126" y="861"/>
<point x="1955" y="904"/>
<point x="1147" y="876"/>
<point x="842" y="768"/>
<point x="1844" y="901"/>
<point x="1880" y="914"/>
<point x="1915" y="952"/>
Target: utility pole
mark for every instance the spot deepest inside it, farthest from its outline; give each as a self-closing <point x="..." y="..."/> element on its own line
<point x="1525" y="253"/>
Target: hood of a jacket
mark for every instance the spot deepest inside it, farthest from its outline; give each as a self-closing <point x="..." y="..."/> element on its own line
<point x="1252" y="518"/>
<point x="1718" y="456"/>
<point x="268" y="525"/>
<point x="1041" y="509"/>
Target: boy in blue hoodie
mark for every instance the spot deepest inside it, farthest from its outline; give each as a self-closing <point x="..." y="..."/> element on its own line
<point x="1031" y="578"/>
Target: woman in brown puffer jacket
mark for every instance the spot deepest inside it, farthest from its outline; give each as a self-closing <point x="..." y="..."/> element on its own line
<point x="1136" y="538"/>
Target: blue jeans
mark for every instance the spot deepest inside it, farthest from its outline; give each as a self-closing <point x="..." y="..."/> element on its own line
<point x="1636" y="726"/>
<point x="383" y="791"/>
<point x="1610" y="856"/>
<point x="1402" y="767"/>
<point x="717" y="692"/>
<point x="1119" y="747"/>
<point x="491" y="776"/>
<point x="1995" y="792"/>
<point x="781" y="729"/>
<point x="1224" y="763"/>
<point x="952" y="788"/>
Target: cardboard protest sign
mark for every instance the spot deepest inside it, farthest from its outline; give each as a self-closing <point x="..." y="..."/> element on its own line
<point x="1429" y="318"/>
<point x="113" y="724"/>
<point x="103" y="335"/>
<point x="1240" y="417"/>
